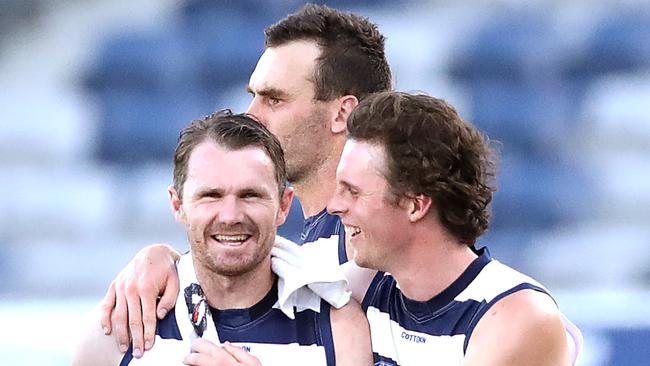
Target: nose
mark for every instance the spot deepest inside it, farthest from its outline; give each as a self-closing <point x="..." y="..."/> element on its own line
<point x="230" y="212"/>
<point x="254" y="108"/>
<point x="336" y="204"/>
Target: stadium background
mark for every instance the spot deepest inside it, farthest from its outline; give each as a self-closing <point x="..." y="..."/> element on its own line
<point x="94" y="92"/>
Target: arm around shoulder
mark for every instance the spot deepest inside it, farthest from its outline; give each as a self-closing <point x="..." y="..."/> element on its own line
<point x="93" y="347"/>
<point x="351" y="334"/>
<point x="524" y="328"/>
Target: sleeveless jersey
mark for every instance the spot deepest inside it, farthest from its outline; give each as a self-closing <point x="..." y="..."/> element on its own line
<point x="264" y="331"/>
<point x="324" y="225"/>
<point x="407" y="332"/>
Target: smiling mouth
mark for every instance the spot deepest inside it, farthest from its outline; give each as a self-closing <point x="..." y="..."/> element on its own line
<point x="231" y="240"/>
<point x="353" y="230"/>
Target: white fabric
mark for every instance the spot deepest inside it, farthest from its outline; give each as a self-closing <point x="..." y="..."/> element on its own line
<point x="415" y="340"/>
<point x="574" y="339"/>
<point x="304" y="278"/>
<point x="187" y="276"/>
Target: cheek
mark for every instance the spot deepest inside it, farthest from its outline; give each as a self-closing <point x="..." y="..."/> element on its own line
<point x="279" y="122"/>
<point x="384" y="222"/>
<point x="266" y="217"/>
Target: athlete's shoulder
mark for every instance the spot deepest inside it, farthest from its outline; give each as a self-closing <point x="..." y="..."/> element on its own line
<point x="523" y="328"/>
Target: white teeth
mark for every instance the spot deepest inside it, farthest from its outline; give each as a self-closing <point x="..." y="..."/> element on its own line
<point x="354" y="230"/>
<point x="231" y="238"/>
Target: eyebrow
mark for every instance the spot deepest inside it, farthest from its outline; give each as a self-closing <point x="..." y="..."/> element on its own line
<point x="265" y="92"/>
<point x="244" y="190"/>
<point x="349" y="185"/>
<point x="207" y="192"/>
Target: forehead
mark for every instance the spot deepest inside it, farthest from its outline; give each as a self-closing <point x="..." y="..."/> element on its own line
<point x="212" y="165"/>
<point x="360" y="160"/>
<point x="288" y="66"/>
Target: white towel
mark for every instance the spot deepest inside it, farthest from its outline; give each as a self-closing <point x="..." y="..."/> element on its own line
<point x="303" y="279"/>
<point x="306" y="274"/>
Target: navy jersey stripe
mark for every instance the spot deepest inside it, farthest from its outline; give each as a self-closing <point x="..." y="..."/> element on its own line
<point x="343" y="255"/>
<point x="128" y="356"/>
<point x="477" y="317"/>
<point x="324" y="225"/>
<point x="167" y="328"/>
<point x="326" y="333"/>
<point x="274" y="327"/>
<point x="383" y="361"/>
<point x="271" y="327"/>
<point x="453" y="321"/>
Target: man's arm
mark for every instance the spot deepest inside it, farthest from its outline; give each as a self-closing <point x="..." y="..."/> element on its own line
<point x="130" y="302"/>
<point x="94" y="348"/>
<point x="351" y="334"/>
<point x="524" y="328"/>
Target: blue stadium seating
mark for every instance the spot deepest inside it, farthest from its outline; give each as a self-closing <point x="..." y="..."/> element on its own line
<point x="619" y="43"/>
<point x="507" y="47"/>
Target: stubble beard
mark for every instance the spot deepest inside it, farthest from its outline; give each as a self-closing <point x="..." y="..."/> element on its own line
<point x="302" y="165"/>
<point x="226" y="267"/>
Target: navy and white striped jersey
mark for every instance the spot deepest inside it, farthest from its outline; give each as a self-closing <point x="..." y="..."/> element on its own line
<point x="263" y="330"/>
<point x="407" y="332"/>
<point x="324" y="225"/>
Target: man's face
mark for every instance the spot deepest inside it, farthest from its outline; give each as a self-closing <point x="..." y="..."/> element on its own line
<point x="230" y="207"/>
<point x="375" y="226"/>
<point x="283" y="100"/>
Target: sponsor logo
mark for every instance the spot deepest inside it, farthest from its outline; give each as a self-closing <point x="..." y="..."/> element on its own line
<point x="413" y="338"/>
<point x="246" y="348"/>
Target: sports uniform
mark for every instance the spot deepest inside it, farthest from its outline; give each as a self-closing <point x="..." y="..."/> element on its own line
<point x="263" y="330"/>
<point x="290" y="325"/>
<point x="324" y="225"/>
<point x="407" y="332"/>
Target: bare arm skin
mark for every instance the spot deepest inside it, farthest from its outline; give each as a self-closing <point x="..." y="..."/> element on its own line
<point x="94" y="348"/>
<point x="129" y="307"/>
<point x="130" y="302"/>
<point x="524" y="328"/>
<point x="351" y="334"/>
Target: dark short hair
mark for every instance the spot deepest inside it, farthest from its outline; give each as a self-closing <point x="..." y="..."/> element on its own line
<point x="431" y="151"/>
<point x="352" y="60"/>
<point x="233" y="132"/>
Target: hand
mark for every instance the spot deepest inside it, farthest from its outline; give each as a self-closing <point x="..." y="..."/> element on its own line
<point x="207" y="353"/>
<point x="130" y="302"/>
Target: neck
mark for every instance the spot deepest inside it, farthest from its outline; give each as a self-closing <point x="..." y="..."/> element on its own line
<point x="315" y="190"/>
<point x="429" y="265"/>
<point x="235" y="292"/>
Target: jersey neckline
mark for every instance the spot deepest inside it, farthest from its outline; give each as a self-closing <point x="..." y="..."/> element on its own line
<point x="441" y="301"/>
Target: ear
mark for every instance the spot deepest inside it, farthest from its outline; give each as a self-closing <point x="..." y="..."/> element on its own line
<point x="346" y="104"/>
<point x="418" y="207"/>
<point x="285" y="205"/>
<point x="176" y="205"/>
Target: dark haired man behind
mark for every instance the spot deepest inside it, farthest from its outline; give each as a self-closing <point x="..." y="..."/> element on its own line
<point x="413" y="187"/>
<point x="317" y="65"/>
<point x="229" y="191"/>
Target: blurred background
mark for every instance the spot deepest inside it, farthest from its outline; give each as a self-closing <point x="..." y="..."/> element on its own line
<point x="93" y="94"/>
